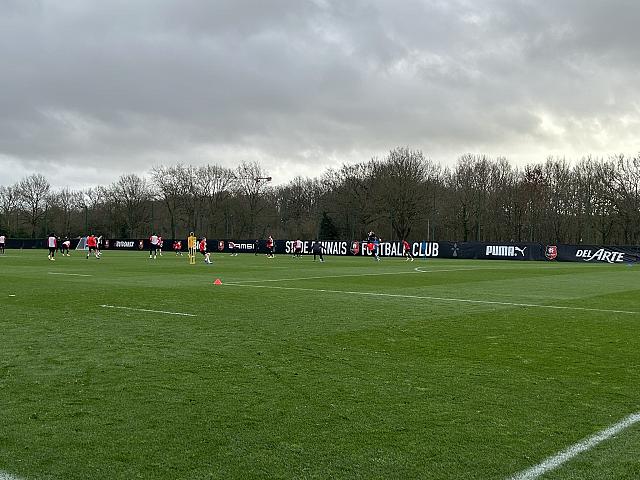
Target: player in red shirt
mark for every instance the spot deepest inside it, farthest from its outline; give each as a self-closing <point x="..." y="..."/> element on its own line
<point x="270" y="247"/>
<point x="92" y="245"/>
<point x="406" y="250"/>
<point x="203" y="250"/>
<point x="177" y="247"/>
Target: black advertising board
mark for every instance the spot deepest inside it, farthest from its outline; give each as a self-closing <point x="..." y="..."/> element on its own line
<point x="593" y="253"/>
<point x="419" y="249"/>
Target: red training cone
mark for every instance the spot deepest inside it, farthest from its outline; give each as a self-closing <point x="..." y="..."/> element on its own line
<point x="217" y="282"/>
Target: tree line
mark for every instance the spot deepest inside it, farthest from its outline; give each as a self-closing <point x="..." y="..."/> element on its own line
<point x="402" y="195"/>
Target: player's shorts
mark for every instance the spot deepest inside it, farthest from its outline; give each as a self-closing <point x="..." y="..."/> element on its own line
<point x="1" y="245"/>
<point x="52" y="250"/>
<point x="203" y="252"/>
<point x="92" y="249"/>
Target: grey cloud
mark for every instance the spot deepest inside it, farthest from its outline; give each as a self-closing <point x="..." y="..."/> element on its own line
<point x="298" y="83"/>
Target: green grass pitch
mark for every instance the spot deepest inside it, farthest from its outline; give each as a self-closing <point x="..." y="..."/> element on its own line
<point x="292" y="369"/>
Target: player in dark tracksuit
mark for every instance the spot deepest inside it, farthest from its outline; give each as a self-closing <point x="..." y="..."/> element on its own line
<point x="317" y="249"/>
<point x="374" y="245"/>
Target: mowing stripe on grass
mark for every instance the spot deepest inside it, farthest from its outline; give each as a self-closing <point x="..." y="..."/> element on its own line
<point x="148" y="311"/>
<point x="440" y="299"/>
<point x="71" y="274"/>
<point x="555" y="461"/>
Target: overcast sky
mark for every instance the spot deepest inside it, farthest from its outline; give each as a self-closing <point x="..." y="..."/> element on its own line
<point x="93" y="89"/>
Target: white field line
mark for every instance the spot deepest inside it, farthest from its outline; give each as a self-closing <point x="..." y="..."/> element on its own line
<point x="555" y="461"/>
<point x="71" y="274"/>
<point x="8" y="476"/>
<point x="440" y="299"/>
<point x="410" y="272"/>
<point x="148" y="311"/>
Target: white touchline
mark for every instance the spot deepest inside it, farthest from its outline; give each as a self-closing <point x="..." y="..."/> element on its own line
<point x="421" y="269"/>
<point x="149" y="311"/>
<point x="555" y="461"/>
<point x="71" y="274"/>
<point x="319" y="277"/>
<point x="441" y="299"/>
<point x="8" y="476"/>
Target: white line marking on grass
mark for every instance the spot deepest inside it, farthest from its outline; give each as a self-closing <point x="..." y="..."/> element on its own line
<point x="71" y="274"/>
<point x="441" y="299"/>
<point x="404" y="272"/>
<point x="8" y="476"/>
<point x="555" y="461"/>
<point x="319" y="277"/>
<point x="149" y="311"/>
<point x="421" y="269"/>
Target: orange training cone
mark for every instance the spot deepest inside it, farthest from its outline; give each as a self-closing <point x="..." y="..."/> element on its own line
<point x="217" y="282"/>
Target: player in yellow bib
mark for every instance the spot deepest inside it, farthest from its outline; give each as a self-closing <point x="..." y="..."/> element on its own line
<point x="192" y="243"/>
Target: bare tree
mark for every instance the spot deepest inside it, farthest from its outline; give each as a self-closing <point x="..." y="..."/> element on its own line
<point x="461" y="184"/>
<point x="189" y="195"/>
<point x="625" y="186"/>
<point x="167" y="181"/>
<point x="9" y="202"/>
<point x="65" y="201"/>
<point x="559" y="198"/>
<point x="352" y="196"/>
<point x="214" y="186"/>
<point x="251" y="185"/>
<point x="33" y="192"/>
<point x="132" y="193"/>
<point x="506" y="219"/>
<point x="298" y="205"/>
<point x="400" y="188"/>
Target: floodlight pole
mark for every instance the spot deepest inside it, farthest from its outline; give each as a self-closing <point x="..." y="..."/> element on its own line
<point x="86" y="199"/>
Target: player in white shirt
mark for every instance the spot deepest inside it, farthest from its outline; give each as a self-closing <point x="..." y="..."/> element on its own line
<point x="66" y="245"/>
<point x="3" y="239"/>
<point x="153" y="246"/>
<point x="52" y="243"/>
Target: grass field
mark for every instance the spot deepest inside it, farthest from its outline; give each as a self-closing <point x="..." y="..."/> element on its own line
<point x="293" y="369"/>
